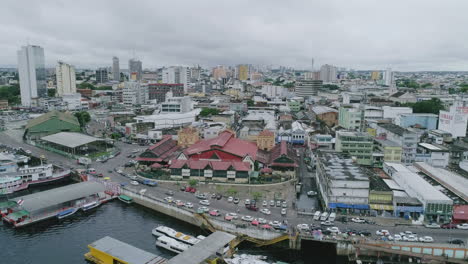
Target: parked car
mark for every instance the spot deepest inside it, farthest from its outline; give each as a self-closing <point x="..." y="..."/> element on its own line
<point x="303" y="227"/>
<point x="448" y="226"/>
<point x="247" y="202"/>
<point x="358" y="220"/>
<point x="456" y="241"/>
<point x="213" y="196"/>
<point x="134" y="183"/>
<point x="265" y="203"/>
<point x="236" y="200"/>
<point x="275" y="224"/>
<point x="272" y="203"/>
<point x="204" y="202"/>
<point x="426" y="239"/>
<point x="410" y="238"/>
<point x="333" y="229"/>
<point x="179" y="203"/>
<point x="214" y="213"/>
<point x="247" y="218"/>
<point x="284" y="204"/>
<point x="278" y="203"/>
<point x="170" y="193"/>
<point x="233" y="215"/>
<point x="168" y="199"/>
<point x="382" y="232"/>
<point x="203" y="209"/>
<point x="432" y="225"/>
<point x="397" y="237"/>
<point x="251" y="207"/>
<point x="190" y="189"/>
<point x="326" y="223"/>
<point x="189" y="205"/>
<point x="463" y="226"/>
<point x="201" y="196"/>
<point x="230" y="199"/>
<point x="265" y="211"/>
<point x="219" y="196"/>
<point x="262" y="221"/>
<point x="365" y="233"/>
<point x="283" y="212"/>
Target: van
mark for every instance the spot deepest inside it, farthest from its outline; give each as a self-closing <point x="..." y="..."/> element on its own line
<point x="324" y="216"/>
<point x="317" y="215"/>
<point x="332" y="217"/>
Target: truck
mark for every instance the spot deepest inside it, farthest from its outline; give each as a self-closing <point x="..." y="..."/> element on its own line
<point x="84" y="161"/>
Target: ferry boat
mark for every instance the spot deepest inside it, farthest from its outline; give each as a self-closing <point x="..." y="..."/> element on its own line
<point x="171" y="244"/>
<point x="67" y="213"/>
<point x="171" y="233"/>
<point x="90" y="206"/>
<point x="126" y="199"/>
<point x="26" y="176"/>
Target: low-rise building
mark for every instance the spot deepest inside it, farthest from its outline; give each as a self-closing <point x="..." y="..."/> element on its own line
<point x="51" y="123"/>
<point x="176" y="104"/>
<point x="359" y="145"/>
<point x="342" y="184"/>
<point x="433" y="154"/>
<point x="389" y="151"/>
<point x="426" y="121"/>
<point x="403" y="137"/>
<point x="320" y="141"/>
<point x="350" y="117"/>
<point x="437" y="206"/>
<point x="326" y="114"/>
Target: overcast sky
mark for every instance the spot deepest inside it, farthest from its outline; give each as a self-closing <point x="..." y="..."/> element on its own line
<point x="370" y="34"/>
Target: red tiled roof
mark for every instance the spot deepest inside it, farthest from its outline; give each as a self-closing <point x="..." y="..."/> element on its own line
<point x="221" y="165"/>
<point x="266" y="170"/>
<point x="215" y="165"/>
<point x="162" y="142"/>
<point x="156" y="165"/>
<point x="177" y="164"/>
<point x="148" y="159"/>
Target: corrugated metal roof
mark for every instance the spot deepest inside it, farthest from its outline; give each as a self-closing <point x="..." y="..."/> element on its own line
<point x="41" y="200"/>
<point x="67" y="117"/>
<point x="70" y="139"/>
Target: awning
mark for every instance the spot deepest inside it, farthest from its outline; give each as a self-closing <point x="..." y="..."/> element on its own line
<point x="381" y="207"/>
<point x="149" y="159"/>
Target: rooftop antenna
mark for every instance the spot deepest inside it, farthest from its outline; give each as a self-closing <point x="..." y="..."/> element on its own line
<point x="312" y="64"/>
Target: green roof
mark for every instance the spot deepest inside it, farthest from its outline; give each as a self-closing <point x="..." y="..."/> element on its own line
<point x="7" y="204"/>
<point x="125" y="197"/>
<point x="64" y="116"/>
<point x="18" y="215"/>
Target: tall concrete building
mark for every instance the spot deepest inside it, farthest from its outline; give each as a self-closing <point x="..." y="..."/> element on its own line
<point x="176" y="74"/>
<point x="328" y="73"/>
<point x="135" y="66"/>
<point x="388" y="77"/>
<point x="243" y="72"/>
<point x="306" y="88"/>
<point x="115" y="69"/>
<point x="32" y="74"/>
<point x="102" y="75"/>
<point x="219" y="72"/>
<point x="66" y="78"/>
<point x="134" y="93"/>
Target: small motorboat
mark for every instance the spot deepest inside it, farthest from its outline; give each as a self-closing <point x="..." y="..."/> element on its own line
<point x="67" y="213"/>
<point x="311" y="193"/>
<point x="126" y="199"/>
<point x="89" y="206"/>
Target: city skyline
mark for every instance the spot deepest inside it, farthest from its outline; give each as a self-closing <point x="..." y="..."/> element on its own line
<point x="352" y="35"/>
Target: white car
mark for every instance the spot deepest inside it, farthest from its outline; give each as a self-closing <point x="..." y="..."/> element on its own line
<point x="326" y="223"/>
<point x="247" y="202"/>
<point x="168" y="199"/>
<point x="303" y="227"/>
<point x="265" y="211"/>
<point x="230" y="199"/>
<point x="275" y="223"/>
<point x="284" y="204"/>
<point x="283" y="211"/>
<point x="204" y="202"/>
<point x="426" y="239"/>
<point x="233" y="215"/>
<point x="265" y="203"/>
<point x="358" y="220"/>
<point x="382" y="232"/>
<point x="272" y="203"/>
<point x="397" y="237"/>
<point x="333" y="229"/>
<point x="432" y="225"/>
<point x="133" y="177"/>
<point x="204" y="209"/>
<point x="189" y="205"/>
<point x="247" y="218"/>
<point x="410" y="238"/>
<point x="463" y="226"/>
<point x="262" y="221"/>
<point x="134" y="183"/>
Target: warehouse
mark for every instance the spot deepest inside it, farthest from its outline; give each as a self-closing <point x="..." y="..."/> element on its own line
<point x="75" y="144"/>
<point x="51" y="123"/>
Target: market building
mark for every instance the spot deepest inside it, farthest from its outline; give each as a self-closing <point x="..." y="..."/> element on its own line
<point x="51" y="123"/>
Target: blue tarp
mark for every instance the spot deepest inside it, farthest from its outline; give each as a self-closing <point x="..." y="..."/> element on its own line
<point x="349" y="206"/>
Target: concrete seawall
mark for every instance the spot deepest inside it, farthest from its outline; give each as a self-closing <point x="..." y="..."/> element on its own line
<point x="188" y="216"/>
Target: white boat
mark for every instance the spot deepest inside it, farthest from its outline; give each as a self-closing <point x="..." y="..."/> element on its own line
<point x="25" y="176"/>
<point x="317" y="215"/>
<point x="171" y="244"/>
<point x="67" y="213"/>
<point x="324" y="216"/>
<point x="171" y="233"/>
<point x="311" y="193"/>
<point x="90" y="206"/>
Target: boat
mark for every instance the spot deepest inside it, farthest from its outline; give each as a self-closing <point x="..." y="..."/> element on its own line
<point x="244" y="258"/>
<point x="90" y="206"/>
<point x="126" y="199"/>
<point x="171" y="244"/>
<point x="67" y="213"/>
<point x="26" y="176"/>
<point x="311" y="193"/>
<point x="171" y="233"/>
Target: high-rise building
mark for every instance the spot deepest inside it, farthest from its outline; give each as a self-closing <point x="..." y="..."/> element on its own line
<point x="158" y="91"/>
<point x="66" y="78"/>
<point x="388" y="77"/>
<point x="135" y="66"/>
<point x="134" y="93"/>
<point x="219" y="73"/>
<point x="115" y="69"/>
<point x="175" y="75"/>
<point x="375" y="75"/>
<point x="315" y="75"/>
<point x="306" y="88"/>
<point x="328" y="73"/>
<point x="102" y="75"/>
<point x="243" y="72"/>
<point x="32" y="74"/>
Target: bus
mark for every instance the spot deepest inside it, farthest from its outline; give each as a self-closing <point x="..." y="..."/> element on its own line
<point x="332" y="217"/>
<point x="324" y="216"/>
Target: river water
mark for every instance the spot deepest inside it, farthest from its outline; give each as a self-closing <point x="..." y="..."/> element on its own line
<point x="66" y="241"/>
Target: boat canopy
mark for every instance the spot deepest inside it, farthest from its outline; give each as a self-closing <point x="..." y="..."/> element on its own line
<point x="125" y="197"/>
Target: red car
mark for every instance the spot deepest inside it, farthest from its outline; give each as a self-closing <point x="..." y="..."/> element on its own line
<point x="215" y="213"/>
<point x="190" y="189"/>
<point x="251" y="207"/>
<point x="449" y="226"/>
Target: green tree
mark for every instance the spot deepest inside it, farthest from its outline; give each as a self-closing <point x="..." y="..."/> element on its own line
<point x="10" y="93"/>
<point x="86" y="85"/>
<point x="250" y="102"/>
<point x="432" y="106"/>
<point x="51" y="92"/>
<point x="192" y="182"/>
<point x="106" y="87"/>
<point x="257" y="195"/>
<point x="231" y="192"/>
<point x="209" y="111"/>
<point x="116" y="135"/>
<point x="288" y="85"/>
<point x="331" y="86"/>
<point x="83" y="118"/>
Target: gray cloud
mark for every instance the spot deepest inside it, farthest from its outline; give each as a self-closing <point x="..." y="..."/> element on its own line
<point x="362" y="34"/>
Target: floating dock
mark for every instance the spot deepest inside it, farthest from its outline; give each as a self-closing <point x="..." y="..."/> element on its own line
<point x="108" y="250"/>
<point x="48" y="204"/>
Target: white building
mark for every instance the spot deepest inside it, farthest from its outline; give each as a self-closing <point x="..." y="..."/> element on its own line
<point x="455" y="120"/>
<point x="176" y="104"/>
<point x="272" y="91"/>
<point x="177" y="74"/>
<point x="328" y="73"/>
<point x="341" y="183"/>
<point x="388" y="77"/>
<point x="434" y="155"/>
<point x="66" y="79"/>
<point x="115" y="69"/>
<point x="169" y="120"/>
<point x="134" y="93"/>
<point x="72" y="101"/>
<point x="212" y="129"/>
<point x="32" y="74"/>
<point x="392" y="112"/>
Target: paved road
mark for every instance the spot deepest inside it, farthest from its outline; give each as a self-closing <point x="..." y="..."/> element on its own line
<point x="292" y="217"/>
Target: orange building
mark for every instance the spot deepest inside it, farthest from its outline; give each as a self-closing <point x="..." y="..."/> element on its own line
<point x="187" y="136"/>
<point x="266" y="140"/>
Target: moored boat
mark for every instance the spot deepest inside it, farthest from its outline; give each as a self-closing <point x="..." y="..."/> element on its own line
<point x="67" y="213"/>
<point x="90" y="206"/>
<point x="171" y="233"/>
<point x="126" y="199"/>
<point x="171" y="244"/>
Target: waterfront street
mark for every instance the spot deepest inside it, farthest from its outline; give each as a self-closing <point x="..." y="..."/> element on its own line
<point x="292" y="218"/>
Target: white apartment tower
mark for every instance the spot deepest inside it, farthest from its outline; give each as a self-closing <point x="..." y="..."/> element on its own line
<point x="66" y="79"/>
<point x="32" y="75"/>
<point x="328" y="73"/>
<point x="388" y="77"/>
<point x="176" y="74"/>
<point x="134" y="93"/>
<point x="115" y="69"/>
